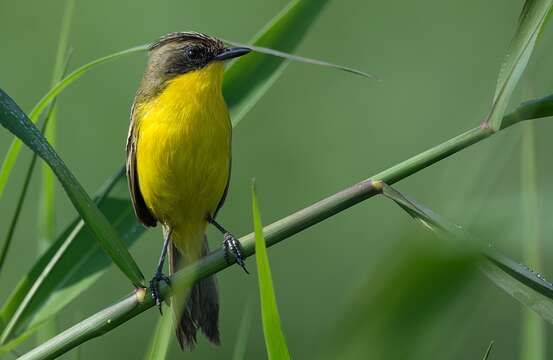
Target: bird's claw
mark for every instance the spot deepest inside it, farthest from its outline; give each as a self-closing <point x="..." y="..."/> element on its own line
<point x="154" y="288"/>
<point x="233" y="247"/>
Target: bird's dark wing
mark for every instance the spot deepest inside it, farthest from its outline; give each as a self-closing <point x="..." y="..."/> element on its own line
<point x="224" y="197"/>
<point x="140" y="208"/>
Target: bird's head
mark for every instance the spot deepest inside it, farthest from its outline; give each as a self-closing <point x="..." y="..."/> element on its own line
<point x="182" y="52"/>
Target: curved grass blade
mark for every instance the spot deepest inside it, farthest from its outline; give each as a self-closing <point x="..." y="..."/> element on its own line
<point x="21" y="199"/>
<point x="15" y="147"/>
<point x="248" y="78"/>
<point x="162" y="338"/>
<point x="275" y="341"/>
<point x="13" y="119"/>
<point x="46" y="228"/>
<point x="531" y="20"/>
<point x="49" y="287"/>
<point x="531" y="109"/>
<point x="522" y="283"/>
<point x="302" y="59"/>
<point x="28" y="175"/>
<point x="17" y="212"/>
<point x="46" y="205"/>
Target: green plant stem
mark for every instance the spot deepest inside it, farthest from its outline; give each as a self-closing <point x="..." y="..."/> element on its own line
<point x="139" y="301"/>
<point x="46" y="205"/>
<point x="533" y="326"/>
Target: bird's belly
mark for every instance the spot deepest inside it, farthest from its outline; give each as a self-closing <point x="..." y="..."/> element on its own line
<point x="183" y="166"/>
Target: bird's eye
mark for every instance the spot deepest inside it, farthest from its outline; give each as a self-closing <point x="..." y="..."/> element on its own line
<point x="194" y="52"/>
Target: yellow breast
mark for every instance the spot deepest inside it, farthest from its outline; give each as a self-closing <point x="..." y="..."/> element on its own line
<point x="183" y="150"/>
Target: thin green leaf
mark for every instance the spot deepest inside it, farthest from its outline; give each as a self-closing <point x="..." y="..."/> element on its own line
<point x="17" y="212"/>
<point x="522" y="283"/>
<point x="533" y="328"/>
<point x="162" y="338"/>
<point x="15" y="147"/>
<point x="26" y="181"/>
<point x="531" y="20"/>
<point x="9" y="347"/>
<point x="302" y="59"/>
<point x="46" y="205"/>
<point x="49" y="286"/>
<point x="531" y="109"/>
<point x="21" y="200"/>
<point x="15" y="120"/>
<point x="243" y="332"/>
<point x="249" y="77"/>
<point x="275" y="341"/>
<point x="488" y="351"/>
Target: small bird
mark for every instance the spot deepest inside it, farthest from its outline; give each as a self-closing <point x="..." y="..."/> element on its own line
<point x="178" y="165"/>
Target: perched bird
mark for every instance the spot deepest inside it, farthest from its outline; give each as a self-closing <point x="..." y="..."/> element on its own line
<point x="178" y="165"/>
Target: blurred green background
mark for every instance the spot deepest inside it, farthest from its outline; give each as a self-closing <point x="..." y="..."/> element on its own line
<point x="315" y="132"/>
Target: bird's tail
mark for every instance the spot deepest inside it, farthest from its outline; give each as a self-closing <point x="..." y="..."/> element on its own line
<point x="199" y="309"/>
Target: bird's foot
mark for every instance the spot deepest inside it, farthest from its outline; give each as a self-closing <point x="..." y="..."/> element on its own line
<point x="233" y="248"/>
<point x="154" y="288"/>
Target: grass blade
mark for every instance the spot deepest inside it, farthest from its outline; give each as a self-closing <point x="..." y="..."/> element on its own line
<point x="49" y="286"/>
<point x="531" y="20"/>
<point x="531" y="109"/>
<point x="275" y="341"/>
<point x="488" y="351"/>
<point x="46" y="206"/>
<point x="243" y="333"/>
<point x="17" y="212"/>
<point x="26" y="181"/>
<point x="249" y="78"/>
<point x="302" y="59"/>
<point x="162" y="338"/>
<point x="525" y="285"/>
<point x="13" y="118"/>
<point x="533" y="328"/>
<point x="15" y="147"/>
<point x="21" y="200"/>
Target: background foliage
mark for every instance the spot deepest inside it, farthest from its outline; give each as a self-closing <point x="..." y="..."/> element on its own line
<point x="315" y="132"/>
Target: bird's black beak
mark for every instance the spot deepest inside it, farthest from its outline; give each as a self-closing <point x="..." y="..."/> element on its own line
<point x="231" y="53"/>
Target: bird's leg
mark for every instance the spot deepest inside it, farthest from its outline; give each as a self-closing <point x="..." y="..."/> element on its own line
<point x="159" y="275"/>
<point x="230" y="244"/>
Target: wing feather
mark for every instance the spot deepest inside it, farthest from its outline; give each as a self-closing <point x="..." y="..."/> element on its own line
<point x="224" y="196"/>
<point x="140" y="208"/>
